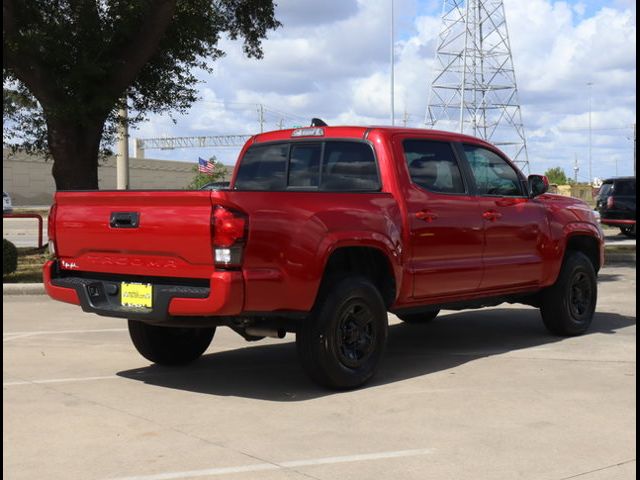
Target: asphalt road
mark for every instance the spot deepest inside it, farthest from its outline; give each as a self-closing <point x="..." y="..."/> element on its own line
<point x="485" y="394"/>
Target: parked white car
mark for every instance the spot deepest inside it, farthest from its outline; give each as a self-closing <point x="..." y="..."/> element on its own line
<point x="7" y="206"/>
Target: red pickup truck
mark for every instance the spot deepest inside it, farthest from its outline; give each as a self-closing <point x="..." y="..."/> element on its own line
<point x="322" y="231"/>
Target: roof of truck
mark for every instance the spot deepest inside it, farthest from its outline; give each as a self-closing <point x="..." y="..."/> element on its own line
<point x="357" y="132"/>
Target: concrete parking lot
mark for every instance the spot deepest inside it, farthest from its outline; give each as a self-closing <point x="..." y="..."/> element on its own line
<point x="485" y="394"/>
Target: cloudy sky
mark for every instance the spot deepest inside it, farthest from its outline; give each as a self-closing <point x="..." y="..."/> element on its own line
<point x="331" y="60"/>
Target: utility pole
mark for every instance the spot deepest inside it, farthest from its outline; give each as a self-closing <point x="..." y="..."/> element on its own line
<point x="281" y="124"/>
<point x="122" y="159"/>
<point x="393" y="116"/>
<point x="634" y="149"/>
<point x="405" y="117"/>
<point x="590" y="135"/>
<point x="261" y="117"/>
<point x="576" y="168"/>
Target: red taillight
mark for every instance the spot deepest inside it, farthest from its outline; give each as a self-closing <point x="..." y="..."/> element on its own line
<point x="610" y="202"/>
<point x="228" y="232"/>
<point x="51" y="229"/>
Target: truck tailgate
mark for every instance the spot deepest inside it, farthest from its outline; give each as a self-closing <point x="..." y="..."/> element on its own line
<point x="171" y="236"/>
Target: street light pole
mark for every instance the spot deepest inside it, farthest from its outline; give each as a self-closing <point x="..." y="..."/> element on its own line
<point x="590" y="133"/>
<point x="393" y="113"/>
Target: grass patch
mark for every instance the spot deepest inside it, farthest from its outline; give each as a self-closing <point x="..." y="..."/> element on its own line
<point x="30" y="262"/>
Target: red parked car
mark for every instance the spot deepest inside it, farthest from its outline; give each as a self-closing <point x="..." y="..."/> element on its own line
<point x="322" y="231"/>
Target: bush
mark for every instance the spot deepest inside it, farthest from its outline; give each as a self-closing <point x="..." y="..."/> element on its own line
<point x="9" y="257"/>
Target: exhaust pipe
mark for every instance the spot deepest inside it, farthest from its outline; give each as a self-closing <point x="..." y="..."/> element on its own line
<point x="265" y="332"/>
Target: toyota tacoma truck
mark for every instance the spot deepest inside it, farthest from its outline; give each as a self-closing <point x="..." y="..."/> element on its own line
<point x="321" y="233"/>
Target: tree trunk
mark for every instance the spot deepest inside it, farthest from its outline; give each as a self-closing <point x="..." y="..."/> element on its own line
<point x="75" y="148"/>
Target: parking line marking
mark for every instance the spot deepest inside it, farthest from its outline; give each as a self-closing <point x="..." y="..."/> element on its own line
<point x="58" y="380"/>
<point x="13" y="335"/>
<point x="258" y="467"/>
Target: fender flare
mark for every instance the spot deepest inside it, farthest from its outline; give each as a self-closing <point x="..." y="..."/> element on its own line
<point x="359" y="239"/>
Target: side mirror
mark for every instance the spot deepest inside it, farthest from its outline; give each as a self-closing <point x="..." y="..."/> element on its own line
<point x="538" y="184"/>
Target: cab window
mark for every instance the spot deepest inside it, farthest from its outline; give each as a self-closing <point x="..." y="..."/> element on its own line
<point x="433" y="166"/>
<point x="492" y="174"/>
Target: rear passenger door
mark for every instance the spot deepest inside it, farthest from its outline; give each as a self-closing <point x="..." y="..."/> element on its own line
<point x="446" y="237"/>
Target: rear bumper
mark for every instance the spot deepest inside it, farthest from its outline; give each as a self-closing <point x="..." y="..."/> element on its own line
<point x="617" y="222"/>
<point x="96" y="293"/>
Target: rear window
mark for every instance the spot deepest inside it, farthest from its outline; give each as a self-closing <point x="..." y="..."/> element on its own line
<point x="333" y="166"/>
<point x="624" y="187"/>
<point x="304" y="165"/>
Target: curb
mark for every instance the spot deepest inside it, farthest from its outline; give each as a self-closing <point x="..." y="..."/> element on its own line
<point x="23" y="289"/>
<point x="617" y="258"/>
<point x="617" y="254"/>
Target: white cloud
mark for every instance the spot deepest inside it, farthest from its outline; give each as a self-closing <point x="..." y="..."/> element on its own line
<point x="331" y="59"/>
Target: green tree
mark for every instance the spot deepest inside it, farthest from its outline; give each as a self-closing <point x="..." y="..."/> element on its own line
<point x="556" y="175"/>
<point x="68" y="64"/>
<point x="200" y="179"/>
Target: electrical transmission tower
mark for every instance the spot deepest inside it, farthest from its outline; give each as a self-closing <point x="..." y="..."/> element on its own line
<point x="474" y="90"/>
<point x="169" y="143"/>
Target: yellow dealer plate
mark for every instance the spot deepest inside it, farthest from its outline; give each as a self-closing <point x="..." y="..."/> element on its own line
<point x="136" y="294"/>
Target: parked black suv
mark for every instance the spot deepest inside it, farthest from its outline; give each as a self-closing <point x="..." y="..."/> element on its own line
<point x="616" y="203"/>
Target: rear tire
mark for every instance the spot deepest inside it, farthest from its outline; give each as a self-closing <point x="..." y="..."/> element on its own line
<point x="169" y="345"/>
<point x="568" y="306"/>
<point x="418" y="318"/>
<point x="342" y="341"/>
<point x="629" y="231"/>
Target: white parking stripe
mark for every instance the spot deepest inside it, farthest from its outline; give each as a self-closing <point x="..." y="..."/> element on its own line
<point x="59" y="380"/>
<point x="258" y="467"/>
<point x="14" y="335"/>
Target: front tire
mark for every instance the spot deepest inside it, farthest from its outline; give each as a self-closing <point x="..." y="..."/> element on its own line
<point x="341" y="343"/>
<point x="169" y="345"/>
<point x="568" y="306"/>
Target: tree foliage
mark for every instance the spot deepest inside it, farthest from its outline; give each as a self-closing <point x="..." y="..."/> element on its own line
<point x="557" y="176"/>
<point x="67" y="65"/>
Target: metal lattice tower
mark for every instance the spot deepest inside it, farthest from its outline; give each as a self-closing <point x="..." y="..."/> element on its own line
<point x="474" y="90"/>
<point x="169" y="143"/>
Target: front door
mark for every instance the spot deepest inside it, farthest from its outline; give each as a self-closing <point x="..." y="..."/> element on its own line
<point x="444" y="220"/>
<point x="514" y="224"/>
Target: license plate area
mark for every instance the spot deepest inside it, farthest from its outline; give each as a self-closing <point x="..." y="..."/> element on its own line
<point x="136" y="295"/>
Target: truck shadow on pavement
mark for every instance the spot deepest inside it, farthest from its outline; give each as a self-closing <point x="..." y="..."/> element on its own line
<point x="272" y="372"/>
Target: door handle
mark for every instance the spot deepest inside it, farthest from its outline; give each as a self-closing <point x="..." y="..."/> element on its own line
<point x="124" y="219"/>
<point x="491" y="215"/>
<point x="426" y="215"/>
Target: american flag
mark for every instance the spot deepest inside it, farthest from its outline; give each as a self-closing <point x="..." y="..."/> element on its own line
<point x="205" y="166"/>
